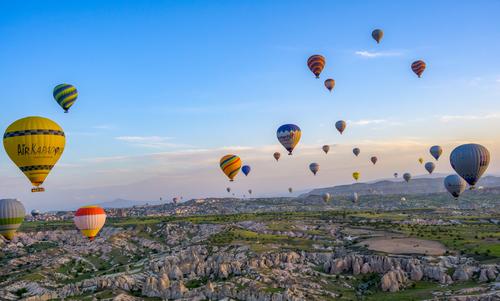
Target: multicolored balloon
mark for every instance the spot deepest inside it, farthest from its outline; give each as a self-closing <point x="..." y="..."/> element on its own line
<point x="407" y="176"/>
<point x="430" y="166"/>
<point x="340" y="126"/>
<point x="89" y="220"/>
<point x="316" y="63"/>
<point x="276" y="156"/>
<point x="330" y="84"/>
<point x="65" y="95"/>
<point x="12" y="215"/>
<point x="246" y="169"/>
<point x="436" y="151"/>
<point x="356" y="151"/>
<point x="314" y="167"/>
<point x="34" y="144"/>
<point x="455" y="185"/>
<point x="326" y="197"/>
<point x="374" y="160"/>
<point x="326" y="148"/>
<point x="356" y="175"/>
<point x="470" y="161"/>
<point x="418" y="67"/>
<point x="377" y="35"/>
<point x="289" y="136"/>
<point x="230" y="165"/>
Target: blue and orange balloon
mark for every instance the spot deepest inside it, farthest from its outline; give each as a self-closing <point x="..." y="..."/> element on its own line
<point x="289" y="136"/>
<point x="230" y="165"/>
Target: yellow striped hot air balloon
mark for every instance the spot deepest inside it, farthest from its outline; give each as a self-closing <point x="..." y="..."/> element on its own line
<point x="34" y="144"/>
<point x="230" y="165"/>
<point x="12" y="215"/>
<point x="89" y="220"/>
<point x="316" y="63"/>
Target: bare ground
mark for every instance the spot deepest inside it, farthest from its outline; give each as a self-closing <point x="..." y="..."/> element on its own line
<point x="398" y="245"/>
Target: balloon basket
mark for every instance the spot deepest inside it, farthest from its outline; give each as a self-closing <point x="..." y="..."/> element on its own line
<point x="37" y="189"/>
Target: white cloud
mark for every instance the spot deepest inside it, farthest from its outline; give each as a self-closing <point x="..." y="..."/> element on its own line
<point x="449" y="118"/>
<point x="150" y="141"/>
<point x="104" y="127"/>
<point x="374" y="54"/>
<point x="367" y="122"/>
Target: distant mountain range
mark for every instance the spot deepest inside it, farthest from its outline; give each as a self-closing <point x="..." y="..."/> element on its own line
<point x="121" y="203"/>
<point x="397" y="186"/>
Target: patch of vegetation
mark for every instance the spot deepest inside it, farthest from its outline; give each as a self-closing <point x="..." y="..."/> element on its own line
<point x="195" y="283"/>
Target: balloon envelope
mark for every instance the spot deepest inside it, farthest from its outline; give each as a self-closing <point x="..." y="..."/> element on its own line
<point x="34" y="144"/>
<point x="356" y="151"/>
<point x="374" y="160"/>
<point x="289" y="135"/>
<point x="377" y="35"/>
<point x="316" y="63"/>
<point x="35" y="212"/>
<point x="418" y="67"/>
<point x="407" y="176"/>
<point x="340" y="126"/>
<point x="290" y="189"/>
<point x="455" y="185"/>
<point x="326" y="197"/>
<point x="356" y="175"/>
<point x="12" y="215"/>
<point x="246" y="169"/>
<point x="228" y="189"/>
<point x="326" y="148"/>
<point x="276" y="156"/>
<point x="314" y="167"/>
<point x="89" y="220"/>
<point x="395" y="174"/>
<point x="421" y="160"/>
<point x="250" y="191"/>
<point x="65" y="95"/>
<point x="436" y="151"/>
<point x="230" y="166"/>
<point x="330" y="84"/>
<point x="430" y="166"/>
<point x="470" y="161"/>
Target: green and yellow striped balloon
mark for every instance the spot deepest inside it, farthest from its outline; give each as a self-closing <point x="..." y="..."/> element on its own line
<point x="65" y="95"/>
<point x="12" y="214"/>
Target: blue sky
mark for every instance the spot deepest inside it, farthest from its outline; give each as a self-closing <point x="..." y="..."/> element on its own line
<point x="167" y="87"/>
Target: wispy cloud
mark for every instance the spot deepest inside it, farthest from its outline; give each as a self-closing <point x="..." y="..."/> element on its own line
<point x="104" y="127"/>
<point x="374" y="54"/>
<point x="150" y="141"/>
<point x="368" y="122"/>
<point x="449" y="118"/>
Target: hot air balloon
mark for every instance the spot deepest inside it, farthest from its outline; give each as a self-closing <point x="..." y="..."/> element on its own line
<point x="89" y="220"/>
<point x="290" y="189"/>
<point x="418" y="67"/>
<point x="421" y="160"/>
<point x="65" y="95"/>
<point x="395" y="174"/>
<point x="314" y="167"/>
<point x="436" y="151"/>
<point x="230" y="165"/>
<point x="228" y="189"/>
<point x="276" y="156"/>
<point x="356" y="175"/>
<point x="326" y="148"/>
<point x="250" y="191"/>
<point x="407" y="176"/>
<point x="34" y="144"/>
<point x="289" y="135"/>
<point x="175" y="200"/>
<point x="330" y="84"/>
<point x="316" y="63"/>
<point x="356" y="151"/>
<point x="326" y="197"/>
<point x="12" y="214"/>
<point x="374" y="160"/>
<point x="403" y="199"/>
<point x="35" y="212"/>
<point x="354" y="197"/>
<point x="470" y="161"/>
<point x="377" y="35"/>
<point x="429" y="166"/>
<point x="340" y="126"/>
<point x="246" y="169"/>
<point x="455" y="185"/>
